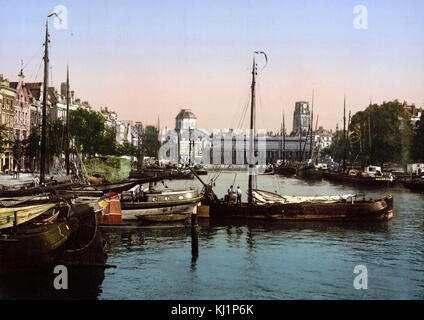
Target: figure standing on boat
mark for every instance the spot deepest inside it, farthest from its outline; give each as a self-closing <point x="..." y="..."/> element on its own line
<point x="239" y="194"/>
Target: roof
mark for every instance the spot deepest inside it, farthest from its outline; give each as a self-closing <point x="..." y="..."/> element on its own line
<point x="35" y="88"/>
<point x="185" y="114"/>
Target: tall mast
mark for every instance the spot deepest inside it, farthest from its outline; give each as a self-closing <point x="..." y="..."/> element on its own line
<point x="44" y="110"/>
<point x="281" y="141"/>
<point x="158" y="142"/>
<point x="344" y="133"/>
<point x="312" y="126"/>
<point x="189" y="145"/>
<point x="284" y="139"/>
<point x="252" y="134"/>
<point x="67" y="123"/>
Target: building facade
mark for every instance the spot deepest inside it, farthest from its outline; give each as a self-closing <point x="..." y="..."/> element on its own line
<point x="190" y="139"/>
<point x="7" y="112"/>
<point x="21" y="121"/>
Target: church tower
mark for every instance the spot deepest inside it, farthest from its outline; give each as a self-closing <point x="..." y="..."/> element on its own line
<point x="301" y="118"/>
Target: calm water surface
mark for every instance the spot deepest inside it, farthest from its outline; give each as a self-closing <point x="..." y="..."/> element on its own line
<point x="265" y="260"/>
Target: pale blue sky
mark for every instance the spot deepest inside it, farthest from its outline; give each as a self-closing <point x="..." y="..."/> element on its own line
<point x="144" y="58"/>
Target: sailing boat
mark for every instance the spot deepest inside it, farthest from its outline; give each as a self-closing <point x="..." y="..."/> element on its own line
<point x="55" y="231"/>
<point x="369" y="176"/>
<point x="282" y="167"/>
<point x="266" y="205"/>
<point x="308" y="170"/>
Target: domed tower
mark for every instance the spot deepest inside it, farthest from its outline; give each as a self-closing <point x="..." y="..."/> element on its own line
<point x="185" y="120"/>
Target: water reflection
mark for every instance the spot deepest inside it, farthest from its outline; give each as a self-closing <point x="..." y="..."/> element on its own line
<point x="256" y="259"/>
<point x="83" y="283"/>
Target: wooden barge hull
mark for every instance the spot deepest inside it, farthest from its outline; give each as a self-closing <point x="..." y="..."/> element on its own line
<point x="367" y="181"/>
<point x="417" y="186"/>
<point x="173" y="217"/>
<point x="380" y="209"/>
<point x="309" y="173"/>
<point x="74" y="241"/>
<point x="133" y="214"/>
<point x="285" y="171"/>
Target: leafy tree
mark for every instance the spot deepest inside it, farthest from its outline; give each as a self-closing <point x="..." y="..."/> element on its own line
<point x="377" y="135"/>
<point x="89" y="132"/>
<point x="380" y="134"/>
<point x="108" y="142"/>
<point x="3" y="137"/>
<point x="32" y="148"/>
<point x="126" y="149"/>
<point x="18" y="151"/>
<point x="150" y="140"/>
<point x="55" y="138"/>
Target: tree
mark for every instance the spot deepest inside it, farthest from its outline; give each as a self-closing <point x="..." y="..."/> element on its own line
<point x="90" y="134"/>
<point x="55" y="138"/>
<point x="126" y="149"/>
<point x="32" y="148"/>
<point x="108" y="142"/>
<point x="150" y="140"/>
<point x="380" y="134"/>
<point x="18" y="151"/>
<point x="377" y="135"/>
<point x="418" y="141"/>
<point x="3" y="137"/>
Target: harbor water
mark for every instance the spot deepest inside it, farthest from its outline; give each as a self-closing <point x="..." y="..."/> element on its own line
<point x="254" y="260"/>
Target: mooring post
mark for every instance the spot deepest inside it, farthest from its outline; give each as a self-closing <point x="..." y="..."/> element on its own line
<point x="194" y="239"/>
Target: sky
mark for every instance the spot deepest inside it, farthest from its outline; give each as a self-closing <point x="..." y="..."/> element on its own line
<point x="149" y="59"/>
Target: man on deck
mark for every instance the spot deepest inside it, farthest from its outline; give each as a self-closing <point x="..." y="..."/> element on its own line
<point x="239" y="194"/>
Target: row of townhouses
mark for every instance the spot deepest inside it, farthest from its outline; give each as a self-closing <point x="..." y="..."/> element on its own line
<point x="20" y="112"/>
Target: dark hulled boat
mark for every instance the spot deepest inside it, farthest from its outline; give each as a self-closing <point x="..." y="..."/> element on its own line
<point x="267" y="205"/>
<point x="342" y="209"/>
<point x="285" y="170"/>
<point x="200" y="170"/>
<point x="358" y="177"/>
<point x="57" y="234"/>
<point x="159" y="205"/>
<point x="309" y="172"/>
<point x="415" y="183"/>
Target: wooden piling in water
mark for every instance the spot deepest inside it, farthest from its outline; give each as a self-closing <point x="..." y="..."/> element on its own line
<point x="194" y="238"/>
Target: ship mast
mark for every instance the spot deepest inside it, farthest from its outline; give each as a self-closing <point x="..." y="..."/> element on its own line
<point x="284" y="139"/>
<point x="312" y="127"/>
<point x="344" y="133"/>
<point x="67" y="123"/>
<point x="44" y="110"/>
<point x="252" y="134"/>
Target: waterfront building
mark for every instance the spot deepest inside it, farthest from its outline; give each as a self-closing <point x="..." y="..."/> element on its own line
<point x="112" y="121"/>
<point x="323" y="138"/>
<point x="36" y="89"/>
<point x="7" y="111"/>
<point x="21" y="119"/>
<point x="190" y="138"/>
<point x="413" y="113"/>
<point x="131" y="132"/>
<point x="295" y="149"/>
